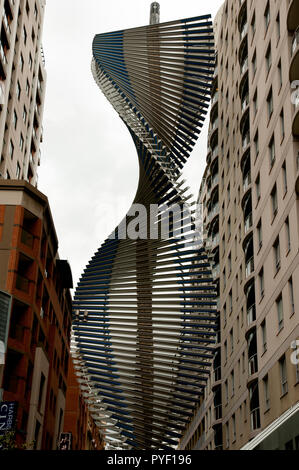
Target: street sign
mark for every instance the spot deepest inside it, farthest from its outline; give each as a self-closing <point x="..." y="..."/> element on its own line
<point x="8" y="415"/>
<point x="65" y="442"/>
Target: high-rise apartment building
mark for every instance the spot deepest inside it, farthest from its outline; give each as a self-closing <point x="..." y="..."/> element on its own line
<point x="250" y="195"/>
<point x="22" y="88"/>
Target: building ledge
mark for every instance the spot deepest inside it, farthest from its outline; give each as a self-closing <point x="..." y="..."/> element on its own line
<point x="273" y="428"/>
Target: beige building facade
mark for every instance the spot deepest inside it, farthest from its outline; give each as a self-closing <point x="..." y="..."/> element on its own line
<point x="22" y="88"/>
<point x="250" y="195"/>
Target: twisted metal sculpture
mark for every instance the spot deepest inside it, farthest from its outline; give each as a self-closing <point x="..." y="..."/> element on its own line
<point x="145" y="307"/>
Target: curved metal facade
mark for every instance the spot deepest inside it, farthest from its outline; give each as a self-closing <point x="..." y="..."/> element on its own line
<point x="144" y="309"/>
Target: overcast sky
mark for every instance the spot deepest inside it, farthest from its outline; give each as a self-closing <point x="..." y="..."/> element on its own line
<point x="89" y="168"/>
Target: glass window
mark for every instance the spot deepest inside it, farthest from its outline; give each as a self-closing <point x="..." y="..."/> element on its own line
<point x="268" y="58"/>
<point x="266" y="393"/>
<point x="264" y="335"/>
<point x="15" y="119"/>
<point x="18" y="90"/>
<point x="291" y="291"/>
<point x="274" y="201"/>
<point x="279" y="308"/>
<point x="261" y="282"/>
<point x="272" y="152"/>
<point x="270" y="103"/>
<point x="11" y="149"/>
<point x="283" y="375"/>
<point x="276" y="249"/>
<point x="267" y="16"/>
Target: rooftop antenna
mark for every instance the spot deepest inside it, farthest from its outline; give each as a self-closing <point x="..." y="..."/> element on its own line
<point x="155" y="13"/>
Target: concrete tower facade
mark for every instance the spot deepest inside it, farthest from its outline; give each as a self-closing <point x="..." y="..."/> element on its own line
<point x="22" y="88"/>
<point x="250" y="193"/>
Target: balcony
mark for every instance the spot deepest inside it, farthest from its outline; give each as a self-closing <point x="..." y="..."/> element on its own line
<point x="215" y="241"/>
<point x="17" y="332"/>
<point x="3" y="55"/>
<point x="214" y="153"/>
<point x="213" y="129"/>
<point x="216" y="271"/>
<point x="242" y="12"/>
<point x="2" y="93"/>
<point x="244" y="31"/>
<point x="13" y="384"/>
<point x="251" y="315"/>
<point x="294" y="67"/>
<point x="217" y="413"/>
<point x="215" y="98"/>
<point x="22" y="283"/>
<point x="246" y="181"/>
<point x="255" y="421"/>
<point x="27" y="238"/>
<point x="6" y="24"/>
<point x="214" y="210"/>
<point x="217" y="374"/>
<point x="293" y="15"/>
<point x="249" y="267"/>
<point x="215" y="180"/>
<point x="248" y="223"/>
<point x="244" y="66"/>
<point x="245" y="103"/>
<point x="252" y="365"/>
<point x="245" y="140"/>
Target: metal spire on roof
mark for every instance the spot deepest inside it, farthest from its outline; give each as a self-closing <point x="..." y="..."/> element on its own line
<point x="155" y="13"/>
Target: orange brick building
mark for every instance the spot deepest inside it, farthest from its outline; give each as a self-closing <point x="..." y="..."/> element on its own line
<point x="37" y="356"/>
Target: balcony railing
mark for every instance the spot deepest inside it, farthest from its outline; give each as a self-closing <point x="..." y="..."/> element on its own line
<point x="6" y="23"/>
<point x="27" y="238"/>
<point x="214" y="124"/>
<point x="22" y="283"/>
<point x="215" y="151"/>
<point x="245" y="102"/>
<point x="249" y="267"/>
<point x="216" y="271"/>
<point x="2" y="54"/>
<point x="252" y="365"/>
<point x="218" y="412"/>
<point x="215" y="179"/>
<point x="215" y="241"/>
<point x="248" y="223"/>
<point x="217" y="374"/>
<point x="295" y="41"/>
<point x="244" y="31"/>
<point x="215" y="98"/>
<point x="39" y="86"/>
<point x="251" y="315"/>
<point x="2" y="93"/>
<point x="245" y="140"/>
<point x="255" y="419"/>
<point x="213" y="211"/>
<point x="246" y="181"/>
<point x="244" y="66"/>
